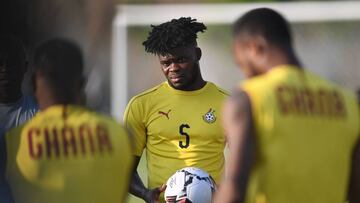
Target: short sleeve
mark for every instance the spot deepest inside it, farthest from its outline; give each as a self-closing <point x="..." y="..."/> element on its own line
<point x="133" y="120"/>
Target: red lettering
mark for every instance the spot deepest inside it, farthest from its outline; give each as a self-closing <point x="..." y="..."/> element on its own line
<point x="298" y="101"/>
<point x="68" y="140"/>
<point x="103" y="138"/>
<point x="322" y="102"/>
<point x="339" y="104"/>
<point x="65" y="141"/>
<point x="309" y="101"/>
<point x="38" y="153"/>
<point x="305" y="101"/>
<point x="85" y="131"/>
<point x="52" y="142"/>
<point x="281" y="97"/>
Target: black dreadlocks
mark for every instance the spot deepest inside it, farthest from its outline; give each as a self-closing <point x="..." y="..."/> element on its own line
<point x="175" y="33"/>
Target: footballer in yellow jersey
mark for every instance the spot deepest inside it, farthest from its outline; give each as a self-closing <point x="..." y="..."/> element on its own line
<point x="66" y="153"/>
<point x="177" y="122"/>
<point x="292" y="134"/>
<point x="69" y="154"/>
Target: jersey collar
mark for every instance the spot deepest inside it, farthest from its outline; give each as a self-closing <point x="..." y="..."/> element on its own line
<point x="187" y="93"/>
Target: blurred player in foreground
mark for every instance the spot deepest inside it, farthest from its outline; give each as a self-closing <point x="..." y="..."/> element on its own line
<point x="15" y="108"/>
<point x="176" y="121"/>
<point x="66" y="153"/>
<point x="291" y="133"/>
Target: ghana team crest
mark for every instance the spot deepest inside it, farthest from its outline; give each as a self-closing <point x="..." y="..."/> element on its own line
<point x="210" y="117"/>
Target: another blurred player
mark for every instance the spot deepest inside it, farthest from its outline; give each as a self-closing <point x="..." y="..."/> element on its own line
<point x="177" y="121"/>
<point x="66" y="153"/>
<point x="291" y="133"/>
<point x="15" y="108"/>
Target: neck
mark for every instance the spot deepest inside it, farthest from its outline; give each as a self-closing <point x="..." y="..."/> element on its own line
<point x="47" y="95"/>
<point x="47" y="100"/>
<point x="198" y="84"/>
<point x="198" y="81"/>
<point x="280" y="57"/>
<point x="44" y="105"/>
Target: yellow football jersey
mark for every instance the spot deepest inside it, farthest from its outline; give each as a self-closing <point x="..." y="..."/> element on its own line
<point x="178" y="129"/>
<point x="69" y="154"/>
<point x="306" y="130"/>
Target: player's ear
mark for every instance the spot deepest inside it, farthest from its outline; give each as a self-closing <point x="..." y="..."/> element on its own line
<point x="259" y="45"/>
<point x="198" y="53"/>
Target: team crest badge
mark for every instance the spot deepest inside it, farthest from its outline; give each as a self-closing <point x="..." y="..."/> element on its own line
<point x="210" y="117"/>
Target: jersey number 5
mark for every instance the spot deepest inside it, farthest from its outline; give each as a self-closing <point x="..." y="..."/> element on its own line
<point x="187" y="137"/>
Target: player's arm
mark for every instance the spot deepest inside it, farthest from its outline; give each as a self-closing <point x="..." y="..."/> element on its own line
<point x="138" y="188"/>
<point x="238" y="124"/>
<point x="133" y="119"/>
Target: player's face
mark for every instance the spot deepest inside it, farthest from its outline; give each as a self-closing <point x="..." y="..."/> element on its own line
<point x="181" y="67"/>
<point x="246" y="57"/>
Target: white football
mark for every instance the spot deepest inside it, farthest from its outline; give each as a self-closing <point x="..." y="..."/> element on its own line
<point x="190" y="185"/>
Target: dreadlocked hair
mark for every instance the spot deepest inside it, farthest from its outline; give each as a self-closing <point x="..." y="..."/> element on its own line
<point x="175" y="33"/>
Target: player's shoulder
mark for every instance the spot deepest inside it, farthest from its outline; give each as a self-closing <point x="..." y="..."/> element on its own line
<point x="272" y="78"/>
<point x="38" y="118"/>
<point x="147" y="94"/>
<point x="321" y="81"/>
<point x="220" y="90"/>
<point x="97" y="117"/>
<point x="114" y="127"/>
<point x="347" y="93"/>
<point x="257" y="82"/>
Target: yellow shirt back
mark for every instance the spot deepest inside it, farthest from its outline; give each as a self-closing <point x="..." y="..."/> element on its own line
<point x="178" y="129"/>
<point x="69" y="154"/>
<point x="306" y="130"/>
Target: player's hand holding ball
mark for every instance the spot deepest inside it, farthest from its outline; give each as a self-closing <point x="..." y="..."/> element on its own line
<point x="190" y="185"/>
<point x="153" y="195"/>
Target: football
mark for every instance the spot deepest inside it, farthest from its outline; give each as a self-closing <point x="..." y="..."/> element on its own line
<point x="190" y="185"/>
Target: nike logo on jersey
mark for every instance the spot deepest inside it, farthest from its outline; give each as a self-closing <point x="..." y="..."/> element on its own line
<point x="165" y="114"/>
